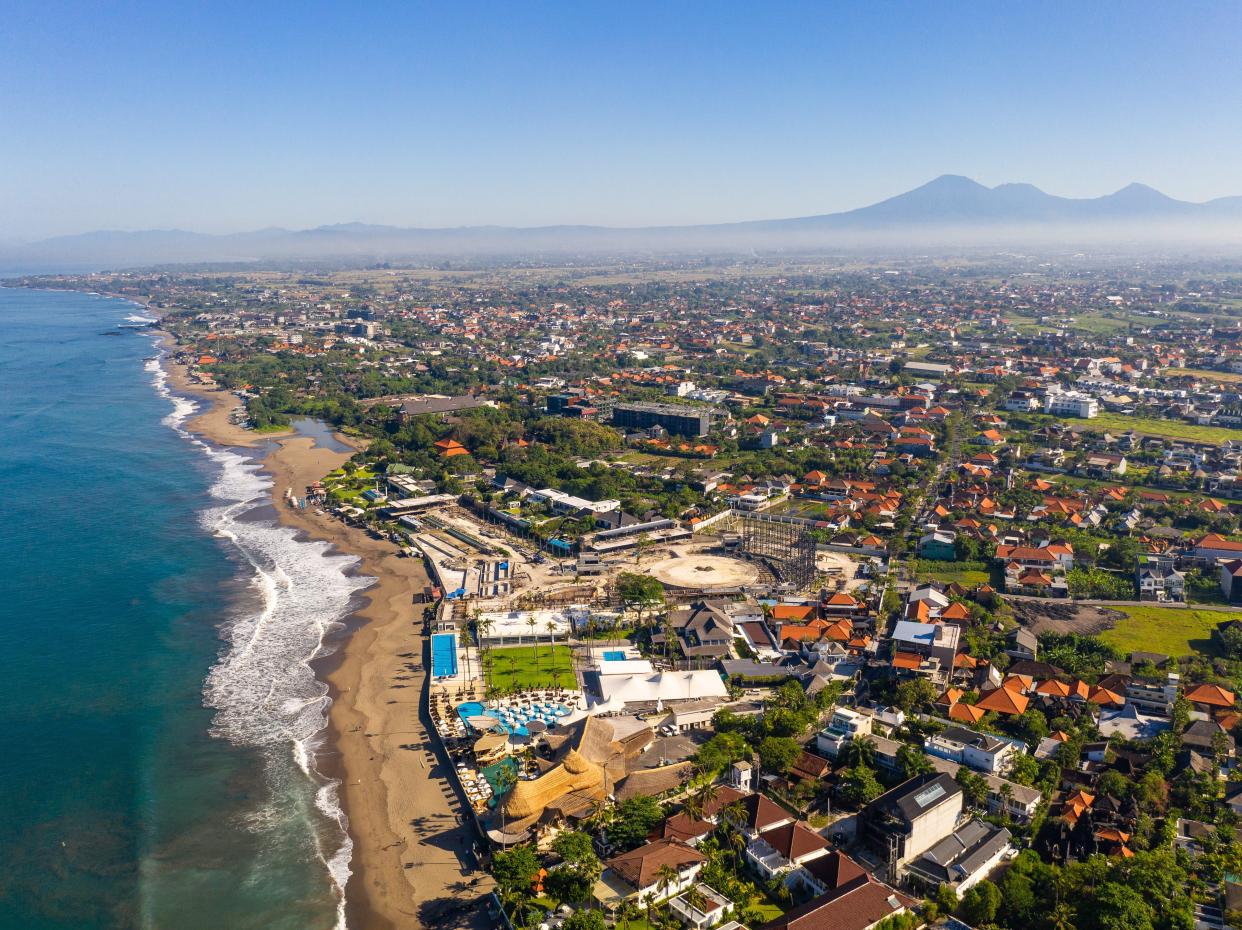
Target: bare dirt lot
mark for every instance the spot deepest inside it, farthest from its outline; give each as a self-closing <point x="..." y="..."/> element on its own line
<point x="1058" y="617"/>
<point x="695" y="570"/>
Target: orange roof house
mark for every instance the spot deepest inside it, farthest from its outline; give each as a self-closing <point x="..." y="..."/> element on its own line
<point x="1100" y="695"/>
<point x="966" y="713"/>
<point x="1211" y="695"/>
<point x="949" y="697"/>
<point x="450" y="447"/>
<point x="1003" y="701"/>
<point x="955" y="612"/>
<point x="910" y="661"/>
<point x="792" y="612"/>
<point x="842" y="631"/>
<point x="1076" y="805"/>
<point x="1053" y="688"/>
<point x="801" y="633"/>
<point x="1021" y="683"/>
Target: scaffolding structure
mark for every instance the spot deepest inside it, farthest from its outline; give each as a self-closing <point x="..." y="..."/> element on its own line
<point x="784" y="546"/>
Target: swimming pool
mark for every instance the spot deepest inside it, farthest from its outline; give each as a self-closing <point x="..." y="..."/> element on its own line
<point x="517" y="719"/>
<point x="496" y="775"/>
<point x="615" y="655"/>
<point x="443" y="655"/>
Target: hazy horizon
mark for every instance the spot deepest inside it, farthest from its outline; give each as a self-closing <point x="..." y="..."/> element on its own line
<point x="230" y="118"/>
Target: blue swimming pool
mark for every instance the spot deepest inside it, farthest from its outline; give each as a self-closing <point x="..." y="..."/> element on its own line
<point x="516" y="720"/>
<point x="614" y="655"/>
<point x="443" y="655"/>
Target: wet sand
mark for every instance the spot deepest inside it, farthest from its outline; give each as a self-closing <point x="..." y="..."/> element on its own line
<point x="410" y="856"/>
<point x="216" y="422"/>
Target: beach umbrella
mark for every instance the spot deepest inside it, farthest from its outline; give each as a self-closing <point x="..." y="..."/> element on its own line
<point x="483" y="722"/>
<point x="517" y="739"/>
<point x="536" y="726"/>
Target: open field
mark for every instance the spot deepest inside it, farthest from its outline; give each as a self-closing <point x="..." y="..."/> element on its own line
<point x="1226" y="376"/>
<point x="1148" y="426"/>
<point x="1095" y="322"/>
<point x="967" y="578"/>
<point x="1170" y="630"/>
<point x="523" y="667"/>
<point x="704" y="571"/>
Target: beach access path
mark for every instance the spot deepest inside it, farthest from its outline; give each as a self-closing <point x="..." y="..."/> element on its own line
<point x="411" y="833"/>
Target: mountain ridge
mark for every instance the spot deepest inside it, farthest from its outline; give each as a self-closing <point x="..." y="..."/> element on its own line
<point x="949" y="207"/>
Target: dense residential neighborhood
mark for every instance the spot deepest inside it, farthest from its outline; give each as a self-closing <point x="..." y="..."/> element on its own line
<point x="840" y="599"/>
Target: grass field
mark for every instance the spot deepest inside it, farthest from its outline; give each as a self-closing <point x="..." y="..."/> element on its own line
<point x="1098" y="323"/>
<point x="521" y="667"/>
<point x="967" y="579"/>
<point x="1169" y="429"/>
<point x="1170" y="630"/>
<point x="967" y="574"/>
<point x="1226" y="376"/>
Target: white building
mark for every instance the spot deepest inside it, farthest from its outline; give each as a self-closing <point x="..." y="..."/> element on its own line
<point x="1071" y="404"/>
<point x="567" y="503"/>
<point x="845" y="726"/>
<point x="980" y="751"/>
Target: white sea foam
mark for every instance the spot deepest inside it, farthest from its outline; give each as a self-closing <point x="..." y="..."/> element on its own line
<point x="138" y="318"/>
<point x="262" y="688"/>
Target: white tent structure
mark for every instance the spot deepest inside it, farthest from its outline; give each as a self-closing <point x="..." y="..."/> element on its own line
<point x="619" y="690"/>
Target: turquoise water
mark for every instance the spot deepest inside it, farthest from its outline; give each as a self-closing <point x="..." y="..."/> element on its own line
<point x="548" y="714"/>
<point x="443" y="655"/>
<point x="156" y="697"/>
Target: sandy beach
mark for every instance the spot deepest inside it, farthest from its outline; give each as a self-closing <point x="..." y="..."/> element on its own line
<point x="410" y="855"/>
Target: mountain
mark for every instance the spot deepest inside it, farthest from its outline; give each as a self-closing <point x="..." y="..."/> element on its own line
<point x="952" y="200"/>
<point x="949" y="211"/>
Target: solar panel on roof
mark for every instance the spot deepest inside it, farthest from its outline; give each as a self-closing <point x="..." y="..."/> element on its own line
<point x="927" y="795"/>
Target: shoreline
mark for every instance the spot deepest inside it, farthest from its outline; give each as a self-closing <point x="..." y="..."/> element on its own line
<point x="401" y="810"/>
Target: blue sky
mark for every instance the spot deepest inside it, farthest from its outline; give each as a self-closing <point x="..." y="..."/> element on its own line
<point x="229" y="116"/>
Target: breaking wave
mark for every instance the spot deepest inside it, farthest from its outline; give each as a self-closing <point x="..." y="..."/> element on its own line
<point x="262" y="688"/>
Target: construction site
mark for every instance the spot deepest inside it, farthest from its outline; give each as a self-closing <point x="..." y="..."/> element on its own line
<point x="490" y="568"/>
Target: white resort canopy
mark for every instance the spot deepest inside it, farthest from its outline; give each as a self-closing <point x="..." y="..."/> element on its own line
<point x="662" y="686"/>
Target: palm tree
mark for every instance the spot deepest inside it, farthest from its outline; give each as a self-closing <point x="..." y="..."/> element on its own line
<point x="649" y="902"/>
<point x="627" y="912"/>
<point x="1006" y="793"/>
<point x="1062" y="917"/>
<point x="532" y="623"/>
<point x="913" y="761"/>
<point x="733" y="815"/>
<point x="506" y="778"/>
<point x="701" y="800"/>
<point x="693" y="807"/>
<point x="602" y="814"/>
<point x="481" y="628"/>
<point x="861" y="752"/>
<point x="552" y="637"/>
<point x="668" y="877"/>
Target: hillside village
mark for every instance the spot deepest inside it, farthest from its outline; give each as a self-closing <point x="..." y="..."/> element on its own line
<point x="846" y="599"/>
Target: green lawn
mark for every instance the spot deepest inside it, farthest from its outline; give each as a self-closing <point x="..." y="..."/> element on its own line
<point x="1168" y="429"/>
<point x="1226" y="376"/>
<point x="522" y="667"/>
<point x="1170" y="630"/>
<point x="1096" y="322"/>
<point x="765" y="908"/>
<point x="949" y="572"/>
<point x="967" y="579"/>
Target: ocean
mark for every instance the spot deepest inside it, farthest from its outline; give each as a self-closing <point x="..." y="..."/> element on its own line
<point x="160" y="710"/>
